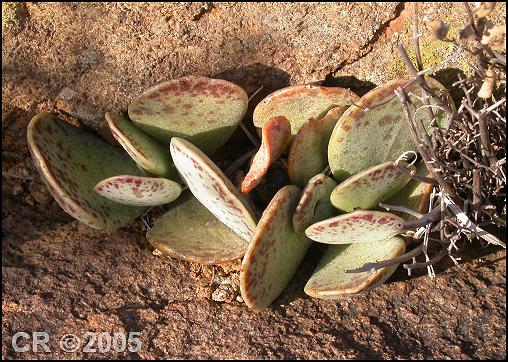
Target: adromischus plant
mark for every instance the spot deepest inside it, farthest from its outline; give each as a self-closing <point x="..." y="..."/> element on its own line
<point x="358" y="138"/>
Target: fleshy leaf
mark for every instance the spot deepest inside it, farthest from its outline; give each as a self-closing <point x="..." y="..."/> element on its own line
<point x="202" y="110"/>
<point x="274" y="253"/>
<point x="148" y="153"/>
<point x="275" y="137"/>
<point x="300" y="103"/>
<point x="189" y="231"/>
<point x="212" y="188"/>
<point x="375" y="130"/>
<point x="356" y="227"/>
<point x="139" y="191"/>
<point x="415" y="195"/>
<point x="330" y="279"/>
<point x="308" y="152"/>
<point x="315" y="203"/>
<point x="368" y="188"/>
<point x="71" y="161"/>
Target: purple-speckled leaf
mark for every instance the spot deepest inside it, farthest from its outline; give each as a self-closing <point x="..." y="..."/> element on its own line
<point x="330" y="279"/>
<point x="375" y="130"/>
<point x="71" y="161"/>
<point x="148" y="153"/>
<point x="356" y="227"/>
<point x="212" y="188"/>
<point x="315" y="203"/>
<point x="189" y="231"/>
<point x="274" y="253"/>
<point x="368" y="188"/>
<point x="138" y="191"/>
<point x="415" y="195"/>
<point x="275" y="137"/>
<point x="300" y="103"/>
<point x="308" y="152"/>
<point x="202" y="110"/>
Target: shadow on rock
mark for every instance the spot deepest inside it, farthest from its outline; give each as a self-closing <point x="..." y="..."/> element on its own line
<point x="360" y="87"/>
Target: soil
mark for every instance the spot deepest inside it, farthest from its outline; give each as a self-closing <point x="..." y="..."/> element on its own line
<point x="79" y="60"/>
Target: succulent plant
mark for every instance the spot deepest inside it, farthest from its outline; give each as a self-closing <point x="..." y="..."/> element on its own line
<point x="274" y="252"/>
<point x="368" y="188"/>
<point x="301" y="103"/>
<point x="334" y="276"/>
<point x="314" y="204"/>
<point x="214" y="221"/>
<point x="189" y="231"/>
<point x="71" y="162"/>
<point x="376" y="126"/>
<point x="202" y="110"/>
<point x="212" y="188"/>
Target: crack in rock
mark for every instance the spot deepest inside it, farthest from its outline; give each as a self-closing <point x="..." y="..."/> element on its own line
<point x="369" y="46"/>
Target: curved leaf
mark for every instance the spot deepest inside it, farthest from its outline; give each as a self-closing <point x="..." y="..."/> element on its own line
<point x="274" y="253"/>
<point x="71" y="161"/>
<point x="189" y="231"/>
<point x="138" y="191"/>
<point x="331" y="279"/>
<point x="367" y="189"/>
<point x="300" y="103"/>
<point x="148" y="153"/>
<point x="375" y="130"/>
<point x="415" y="195"/>
<point x="315" y="203"/>
<point x="275" y="137"/>
<point x="356" y="227"/>
<point x="308" y="152"/>
<point x="212" y="188"/>
<point x="202" y="110"/>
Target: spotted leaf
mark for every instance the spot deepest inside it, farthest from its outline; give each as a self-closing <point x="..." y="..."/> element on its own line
<point x="415" y="195"/>
<point x="308" y="152"/>
<point x="139" y="191"/>
<point x="333" y="279"/>
<point x="356" y="227"/>
<point x="300" y="103"/>
<point x="275" y="137"/>
<point x="202" y="110"/>
<point x="274" y="253"/>
<point x="189" y="231"/>
<point x="368" y="188"/>
<point x="314" y="205"/>
<point x="212" y="188"/>
<point x="148" y="153"/>
<point x="71" y="161"/>
<point x="375" y="130"/>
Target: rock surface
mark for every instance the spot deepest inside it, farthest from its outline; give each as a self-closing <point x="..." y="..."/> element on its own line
<point x="62" y="277"/>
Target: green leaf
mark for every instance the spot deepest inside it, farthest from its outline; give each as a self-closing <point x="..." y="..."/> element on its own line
<point x="375" y="130"/>
<point x="415" y="195"/>
<point x="139" y="191"/>
<point x="356" y="227"/>
<point x="274" y="253"/>
<point x="368" y="188"/>
<point x="331" y="279"/>
<point x="212" y="188"/>
<point x="308" y="152"/>
<point x="148" y="153"/>
<point x="202" y="110"/>
<point x="189" y="231"/>
<point x="71" y="162"/>
<point x="300" y="103"/>
<point x="315" y="203"/>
